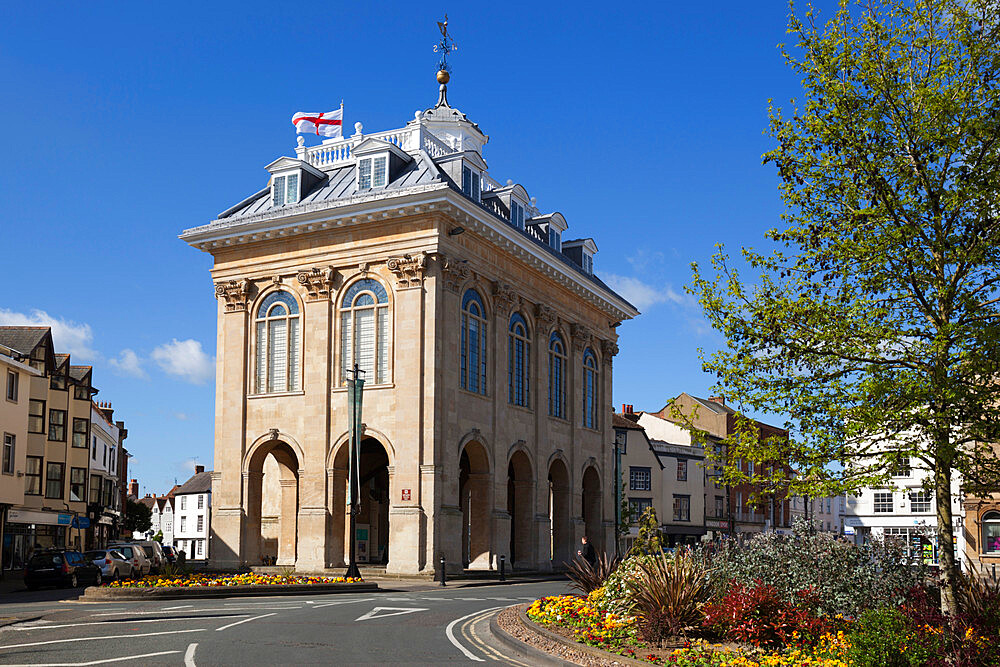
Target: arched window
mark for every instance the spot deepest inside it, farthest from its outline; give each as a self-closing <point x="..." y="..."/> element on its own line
<point x="473" y="343"/>
<point x="991" y="533"/>
<point x="589" y="389"/>
<point x="557" y="376"/>
<point x="278" y="344"/>
<point x="364" y="331"/>
<point x="518" y="356"/>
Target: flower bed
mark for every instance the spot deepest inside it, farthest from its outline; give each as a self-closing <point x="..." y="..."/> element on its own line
<point x="218" y="580"/>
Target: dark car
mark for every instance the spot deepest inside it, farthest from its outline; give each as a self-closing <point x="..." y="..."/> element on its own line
<point x="169" y="554"/>
<point x="60" y="568"/>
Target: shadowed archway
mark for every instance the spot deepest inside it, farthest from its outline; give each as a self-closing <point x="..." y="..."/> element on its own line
<point x="272" y="505"/>
<point x="520" y="497"/>
<point x="560" y="535"/>
<point x="373" y="518"/>
<point x="474" y="500"/>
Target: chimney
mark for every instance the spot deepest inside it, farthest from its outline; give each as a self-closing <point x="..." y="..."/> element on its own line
<point x="198" y="469"/>
<point x="721" y="400"/>
<point x="106" y="410"/>
<point x="133" y="488"/>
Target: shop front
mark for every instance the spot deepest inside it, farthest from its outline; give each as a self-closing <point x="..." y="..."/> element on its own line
<point x="28" y="531"/>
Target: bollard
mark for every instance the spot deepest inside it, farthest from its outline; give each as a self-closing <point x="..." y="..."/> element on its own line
<point x="503" y="576"/>
<point x="443" y="575"/>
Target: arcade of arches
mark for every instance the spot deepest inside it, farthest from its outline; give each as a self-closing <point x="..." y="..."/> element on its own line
<point x="535" y="528"/>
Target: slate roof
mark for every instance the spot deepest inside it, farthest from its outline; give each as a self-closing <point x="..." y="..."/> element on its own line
<point x="200" y="482"/>
<point x="147" y="501"/>
<point x="22" y="339"/>
<point x="341" y="183"/>
<point x="618" y="421"/>
<point x="78" y="373"/>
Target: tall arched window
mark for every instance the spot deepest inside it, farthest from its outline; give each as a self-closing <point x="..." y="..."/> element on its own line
<point x="991" y="533"/>
<point x="589" y="389"/>
<point x="364" y="331"/>
<point x="473" y="343"/>
<point x="557" y="376"/>
<point x="278" y="344"/>
<point x="518" y="356"/>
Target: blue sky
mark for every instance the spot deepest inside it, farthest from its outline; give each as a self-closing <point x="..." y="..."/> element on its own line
<point x="122" y="126"/>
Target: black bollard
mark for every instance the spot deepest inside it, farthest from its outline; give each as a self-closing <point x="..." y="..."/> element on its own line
<point x="503" y="576"/>
<point x="443" y="575"/>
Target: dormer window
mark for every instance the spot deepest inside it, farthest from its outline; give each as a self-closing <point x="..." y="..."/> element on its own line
<point x="588" y="263"/>
<point x="582" y="252"/>
<point x="285" y="189"/>
<point x="555" y="239"/>
<point x="471" y="184"/>
<point x="516" y="215"/>
<point x="372" y="172"/>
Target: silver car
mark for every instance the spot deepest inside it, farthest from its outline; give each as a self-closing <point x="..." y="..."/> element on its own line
<point x="114" y="565"/>
<point x="136" y="556"/>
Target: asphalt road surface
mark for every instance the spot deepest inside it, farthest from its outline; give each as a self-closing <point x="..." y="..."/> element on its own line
<point x="448" y="625"/>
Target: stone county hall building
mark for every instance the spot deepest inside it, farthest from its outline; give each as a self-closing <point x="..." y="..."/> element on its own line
<point x="486" y="341"/>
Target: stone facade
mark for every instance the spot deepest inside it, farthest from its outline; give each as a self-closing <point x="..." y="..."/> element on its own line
<point x="445" y="472"/>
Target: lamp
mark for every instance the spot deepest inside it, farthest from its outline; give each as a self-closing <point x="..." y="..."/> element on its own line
<point x="455" y="231"/>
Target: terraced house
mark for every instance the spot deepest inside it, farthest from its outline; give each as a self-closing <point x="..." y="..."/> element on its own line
<point x="486" y="340"/>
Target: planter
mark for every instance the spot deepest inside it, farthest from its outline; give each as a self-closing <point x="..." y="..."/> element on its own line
<point x="106" y="594"/>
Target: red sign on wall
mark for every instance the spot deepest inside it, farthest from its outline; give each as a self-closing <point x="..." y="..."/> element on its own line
<point x="406" y="494"/>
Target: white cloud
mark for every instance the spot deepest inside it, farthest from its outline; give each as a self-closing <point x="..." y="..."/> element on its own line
<point x="185" y="359"/>
<point x="69" y="337"/>
<point x="640" y="294"/>
<point x="129" y="364"/>
<point x="182" y="416"/>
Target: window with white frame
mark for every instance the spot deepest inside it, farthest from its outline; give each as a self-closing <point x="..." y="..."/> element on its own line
<point x="184" y="502"/>
<point x="285" y="189"/>
<point x="7" y="466"/>
<point x="555" y="239"/>
<point x="639" y="478"/>
<point x="474" y="341"/>
<point x="882" y="502"/>
<point x="588" y="263"/>
<point x="589" y="389"/>
<point x="364" y="331"/>
<point x="557" y="375"/>
<point x="682" y="508"/>
<point x="184" y="524"/>
<point x="12" y="386"/>
<point x="920" y="501"/>
<point x="201" y="502"/>
<point x="518" y="361"/>
<point x="471" y="183"/>
<point x="516" y="214"/>
<point x="201" y="522"/>
<point x="201" y="547"/>
<point x="902" y="467"/>
<point x="637" y="507"/>
<point x="372" y="172"/>
<point x="278" y="344"/>
<point x="682" y="470"/>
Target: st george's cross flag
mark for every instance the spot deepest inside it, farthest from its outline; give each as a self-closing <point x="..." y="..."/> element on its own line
<point x="327" y="124"/>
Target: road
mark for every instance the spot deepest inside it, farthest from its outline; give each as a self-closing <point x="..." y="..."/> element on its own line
<point x="449" y="625"/>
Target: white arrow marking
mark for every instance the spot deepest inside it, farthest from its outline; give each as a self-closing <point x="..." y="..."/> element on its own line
<point x="393" y="611"/>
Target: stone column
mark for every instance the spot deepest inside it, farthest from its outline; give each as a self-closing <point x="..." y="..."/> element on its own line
<point x="288" y="522"/>
<point x="501" y="532"/>
<point x="543" y="536"/>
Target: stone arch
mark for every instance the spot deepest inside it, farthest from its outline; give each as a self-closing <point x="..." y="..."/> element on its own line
<point x="559" y="497"/>
<point x="264" y="442"/>
<point x="344" y="439"/>
<point x="520" y="504"/>
<point x="474" y="477"/>
<point x="591" y="505"/>
<point x="271" y="478"/>
<point x="375" y="494"/>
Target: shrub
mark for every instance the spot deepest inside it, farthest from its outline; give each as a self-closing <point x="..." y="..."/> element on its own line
<point x="667" y="596"/>
<point x="586" y="578"/>
<point x="847" y="579"/>
<point x="759" y="615"/>
<point x="966" y="639"/>
<point x="885" y="638"/>
<point x="615" y="595"/>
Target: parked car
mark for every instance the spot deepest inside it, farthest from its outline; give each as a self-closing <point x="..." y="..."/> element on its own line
<point x="114" y="565"/>
<point x="60" y="567"/>
<point x="136" y="555"/>
<point x="169" y="553"/>
<point x="154" y="552"/>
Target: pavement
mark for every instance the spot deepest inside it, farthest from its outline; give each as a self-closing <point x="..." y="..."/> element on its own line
<point x="406" y="623"/>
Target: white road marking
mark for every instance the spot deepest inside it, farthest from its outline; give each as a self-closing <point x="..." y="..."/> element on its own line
<point x="393" y="611"/>
<point x="449" y="632"/>
<point x="125" y="620"/>
<point x="89" y="639"/>
<point x="245" y="620"/>
<point x="97" y="662"/>
<point x="182" y="606"/>
<point x="189" y="655"/>
<point x="196" y="610"/>
<point x="320" y="605"/>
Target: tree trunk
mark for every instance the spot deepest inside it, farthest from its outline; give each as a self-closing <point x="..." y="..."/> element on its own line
<point x="946" y="537"/>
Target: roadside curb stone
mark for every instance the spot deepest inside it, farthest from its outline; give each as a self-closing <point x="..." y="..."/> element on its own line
<point x="103" y="594"/>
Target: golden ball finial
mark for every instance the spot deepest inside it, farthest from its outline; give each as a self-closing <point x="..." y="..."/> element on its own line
<point x="443" y="76"/>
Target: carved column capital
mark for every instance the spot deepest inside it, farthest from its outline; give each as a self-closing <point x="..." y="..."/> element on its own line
<point x="609" y="348"/>
<point x="236" y="293"/>
<point x="545" y="317"/>
<point x="320" y="282"/>
<point x="455" y="272"/>
<point x="409" y="269"/>
<point x="504" y="298"/>
<point x="581" y="336"/>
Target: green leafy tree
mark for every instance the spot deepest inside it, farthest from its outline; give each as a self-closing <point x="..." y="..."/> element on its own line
<point x="648" y="540"/>
<point x="138" y="517"/>
<point x="158" y="537"/>
<point x="872" y="321"/>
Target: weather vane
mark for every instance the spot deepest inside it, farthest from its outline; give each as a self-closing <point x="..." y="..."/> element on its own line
<point x="445" y="46"/>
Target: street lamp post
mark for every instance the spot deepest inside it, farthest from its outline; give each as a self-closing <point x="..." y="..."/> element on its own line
<point x="355" y="387"/>
<point x="620" y="436"/>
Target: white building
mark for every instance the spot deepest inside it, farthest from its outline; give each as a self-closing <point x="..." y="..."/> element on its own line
<point x="904" y="510"/>
<point x="193" y="515"/>
<point x="104" y="487"/>
<point x="162" y="519"/>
